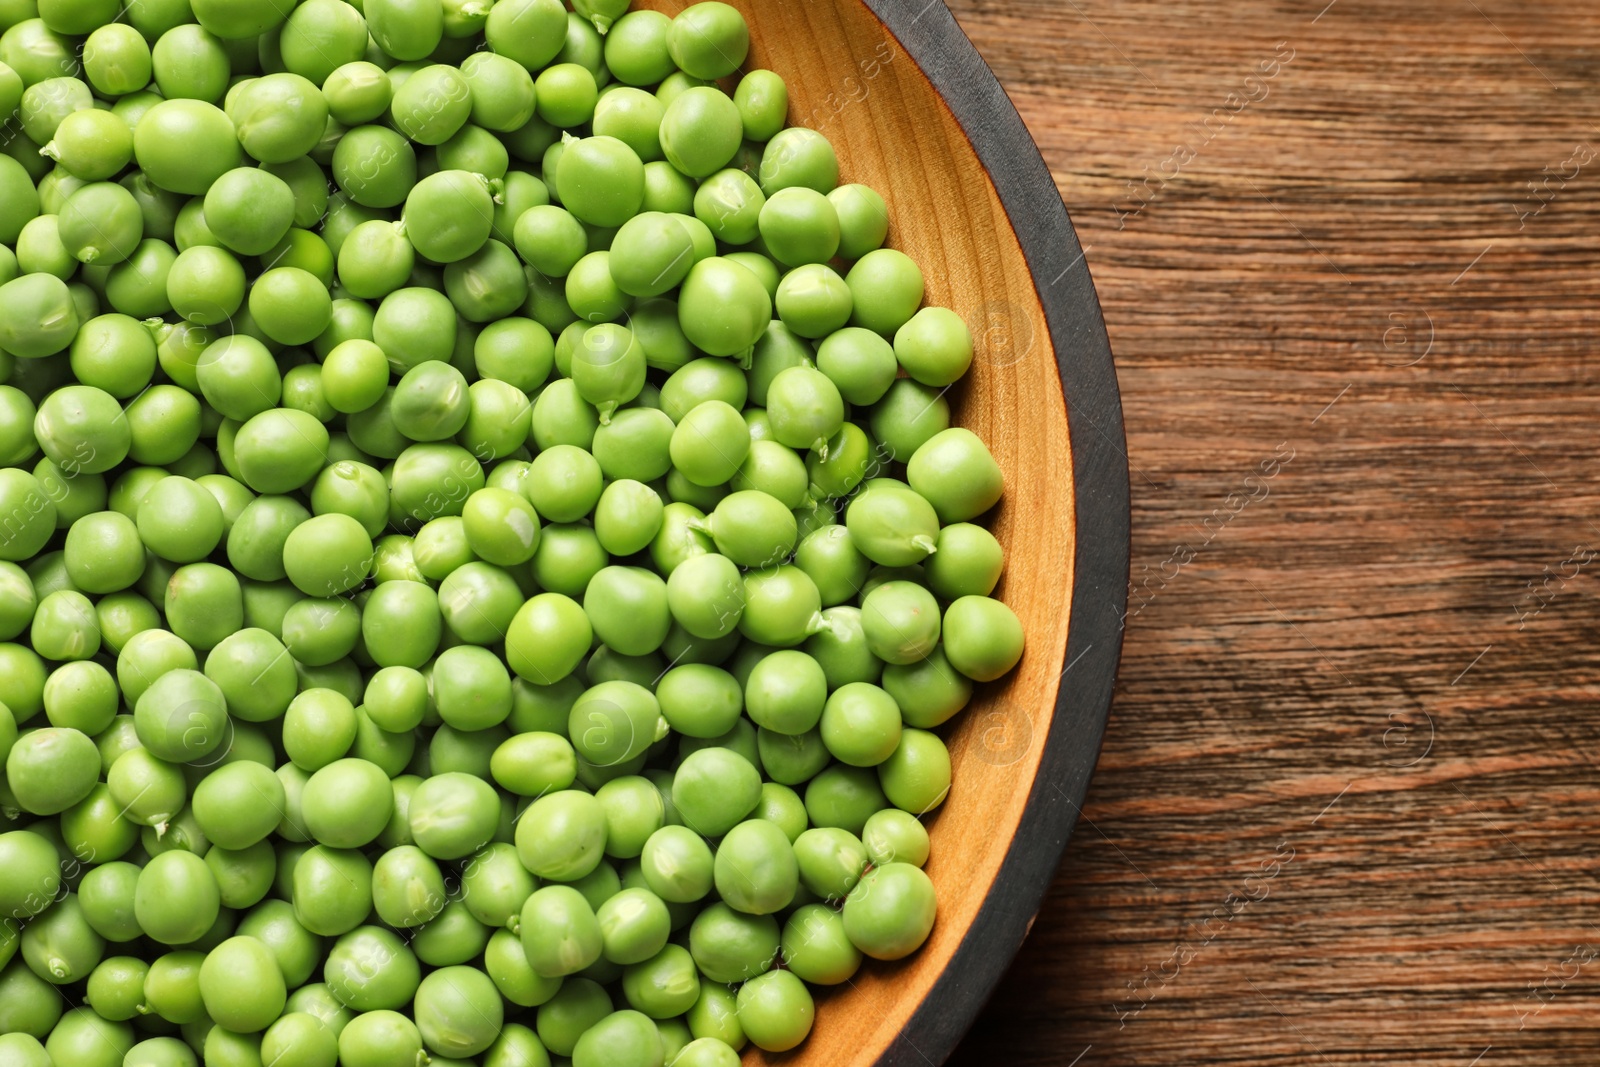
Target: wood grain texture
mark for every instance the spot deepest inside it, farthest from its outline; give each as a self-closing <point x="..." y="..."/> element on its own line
<point x="1356" y="723"/>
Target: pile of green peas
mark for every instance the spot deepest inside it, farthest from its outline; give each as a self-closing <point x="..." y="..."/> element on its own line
<point x="484" y="557"/>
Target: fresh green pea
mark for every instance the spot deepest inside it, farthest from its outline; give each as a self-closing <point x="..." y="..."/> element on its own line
<point x="357" y="92"/>
<point x="149" y="791"/>
<point x="634" y="926"/>
<point x="559" y="932"/>
<point x="116" y="60"/>
<point x="185" y="145"/>
<point x="798" y="158"/>
<point x="458" y="1011"/>
<point x="372" y="969"/>
<point x="83" y="1037"/>
<point x="279" y="117"/>
<point x="377" y="1038"/>
<point x="983" y="637"/>
<point x="302" y="1038"/>
<point x="800" y="226"/>
<point x="448" y="215"/>
<point x="701" y="131"/>
<point x="550" y="240"/>
<point x="320" y="37"/>
<point x="375" y="167"/>
<point x="627" y="517"/>
<point x="636" y="48"/>
<point x="763" y="101"/>
<point x="845" y="797"/>
<point x="709" y="40"/>
<point x="566" y="94"/>
<point x="891" y="911"/>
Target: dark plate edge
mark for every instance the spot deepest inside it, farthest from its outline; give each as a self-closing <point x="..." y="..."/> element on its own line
<point x="930" y="35"/>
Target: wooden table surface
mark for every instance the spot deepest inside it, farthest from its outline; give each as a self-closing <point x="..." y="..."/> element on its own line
<point x="1347" y="807"/>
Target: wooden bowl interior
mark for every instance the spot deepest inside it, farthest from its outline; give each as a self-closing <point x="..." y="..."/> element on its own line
<point x="851" y="80"/>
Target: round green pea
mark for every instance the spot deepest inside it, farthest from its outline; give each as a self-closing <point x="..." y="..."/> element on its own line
<point x="701" y="130"/>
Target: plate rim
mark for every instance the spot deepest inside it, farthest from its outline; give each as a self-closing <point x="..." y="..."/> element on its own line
<point x="929" y="34"/>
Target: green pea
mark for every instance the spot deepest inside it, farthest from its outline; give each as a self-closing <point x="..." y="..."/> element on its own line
<point x="559" y="931"/>
<point x="372" y="969"/>
<point x="241" y="985"/>
<point x="782" y="607"/>
<point x="813" y="300"/>
<point x="488" y="284"/>
<point x="60" y="946"/>
<point x="636" y="49"/>
<point x="709" y="40"/>
<point x="458" y="1011"/>
<point x="239" y="804"/>
<point x="729" y="946"/>
<point x="800" y="226"/>
<point x="453" y="815"/>
<point x="83" y="1037"/>
<point x="328" y="555"/>
<point x="478" y="602"/>
<point x="701" y="131"/>
<point x="299" y="1037"/>
<point x="46" y="102"/>
<point x="375" y="167"/>
<point x="782" y="807"/>
<point x="298" y="951"/>
<point x="431" y="402"/>
<point x="357" y="92"/>
<point x="627" y="607"/>
<point x="376" y="1038"/>
<point x="177" y="898"/>
<point x="37" y="316"/>
<point x="756" y="872"/>
<point x="723" y="308"/>
<point x="763" y="101"/>
<point x="91" y="145"/>
<point x="714" y="789"/>
<point x="506" y="963"/>
<point x="31" y="1005"/>
<point x="566" y="94"/>
<point x="280" y="117"/>
<point x="550" y="240"/>
<point x="407" y="30"/>
<point x="633" y="116"/>
<point x="730" y="203"/>
<point x="332" y="891"/>
<point x="891" y="912"/>
<point x="116" y="60"/>
<point x="65" y="627"/>
<point x="983" y="638"/>
<point x="346" y="803"/>
<point x="752" y="528"/>
<point x="667" y="190"/>
<point x="51" y="769"/>
<point x="600" y="180"/>
<point x="289" y="305"/>
<point x="448" y="215"/>
<point x="32" y="513"/>
<point x="494" y="884"/>
<point x="249" y="211"/>
<point x="455" y="937"/>
<point x="798" y="158"/>
<point x="185" y="145"/>
<point x="710" y="443"/>
<point x="627" y="517"/>
<point x="320" y="37"/>
<point x="892" y="525"/>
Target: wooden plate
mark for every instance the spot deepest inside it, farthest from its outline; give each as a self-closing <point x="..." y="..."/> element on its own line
<point x="915" y="113"/>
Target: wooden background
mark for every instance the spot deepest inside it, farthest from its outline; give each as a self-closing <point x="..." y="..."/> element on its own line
<point x="1355" y="725"/>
